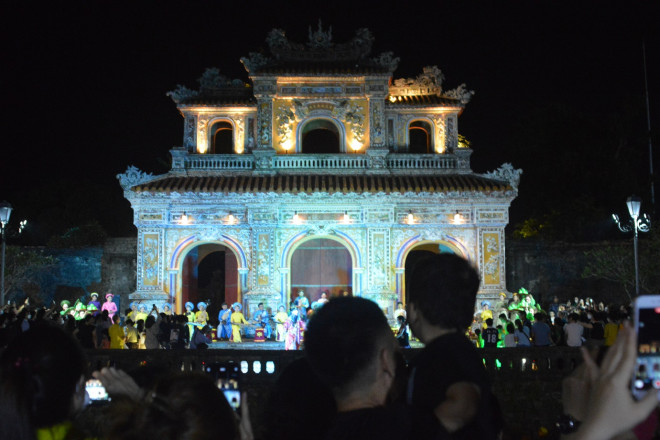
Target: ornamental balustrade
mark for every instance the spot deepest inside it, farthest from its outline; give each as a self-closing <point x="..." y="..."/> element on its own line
<point x="322" y="163"/>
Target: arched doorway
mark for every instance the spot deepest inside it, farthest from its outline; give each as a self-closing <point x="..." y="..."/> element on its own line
<point x="210" y="273"/>
<point x="320" y="136"/>
<point x="419" y="137"/>
<point x="423" y="250"/>
<point x="223" y="138"/>
<point x="318" y="265"/>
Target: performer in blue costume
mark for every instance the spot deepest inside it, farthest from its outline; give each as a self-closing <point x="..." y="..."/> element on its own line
<point x="95" y="301"/>
<point x="262" y="318"/>
<point x="224" y="327"/>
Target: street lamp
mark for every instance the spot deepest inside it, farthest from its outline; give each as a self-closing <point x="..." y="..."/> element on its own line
<point x="5" y="214"/>
<point x="636" y="223"/>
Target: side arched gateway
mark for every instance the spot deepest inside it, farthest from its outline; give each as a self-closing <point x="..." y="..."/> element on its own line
<point x="417" y="248"/>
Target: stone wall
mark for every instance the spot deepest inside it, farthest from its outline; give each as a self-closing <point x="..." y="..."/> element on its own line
<point x="548" y="269"/>
<point x="110" y="268"/>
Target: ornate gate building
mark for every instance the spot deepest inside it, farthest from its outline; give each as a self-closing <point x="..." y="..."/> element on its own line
<point x="321" y="174"/>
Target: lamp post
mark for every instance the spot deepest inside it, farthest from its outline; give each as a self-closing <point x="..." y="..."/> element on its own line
<point x="5" y="213"/>
<point x="636" y="223"/>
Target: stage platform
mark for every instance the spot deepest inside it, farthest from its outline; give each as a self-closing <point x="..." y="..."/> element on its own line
<point x="249" y="344"/>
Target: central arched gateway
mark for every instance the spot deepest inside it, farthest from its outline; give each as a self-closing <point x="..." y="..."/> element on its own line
<point x="321" y="264"/>
<point x="209" y="271"/>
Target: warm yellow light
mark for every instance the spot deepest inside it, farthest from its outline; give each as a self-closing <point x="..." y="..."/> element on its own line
<point x="231" y="220"/>
<point x="411" y="219"/>
<point x="347" y="218"/>
<point x="356" y="145"/>
<point x="297" y="220"/>
<point x="458" y="218"/>
<point x="185" y="220"/>
<point x="287" y="145"/>
<point x="392" y="98"/>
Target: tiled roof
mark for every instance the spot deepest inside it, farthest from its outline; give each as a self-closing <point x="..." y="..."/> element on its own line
<point x="321" y="68"/>
<point x="220" y="101"/>
<point x="322" y="183"/>
<point x="422" y="100"/>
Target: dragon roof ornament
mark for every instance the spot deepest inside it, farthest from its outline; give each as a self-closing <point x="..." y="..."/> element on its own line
<point x="507" y="173"/>
<point x="211" y="83"/>
<point x="133" y="176"/>
<point x="429" y="82"/>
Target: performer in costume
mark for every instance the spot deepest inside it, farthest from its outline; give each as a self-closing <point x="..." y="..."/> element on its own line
<point x="81" y="310"/>
<point x="201" y="316"/>
<point x="142" y="313"/>
<point x="224" y="326"/>
<point x="262" y="319"/>
<point x="132" y="315"/>
<point x="293" y="326"/>
<point x="515" y="303"/>
<point x="109" y="305"/>
<point x="485" y="312"/>
<point x="95" y="302"/>
<point x="280" y="319"/>
<point x="167" y="309"/>
<point x="400" y="311"/>
<point x="91" y="309"/>
<point x="65" y="307"/>
<point x="237" y="319"/>
<point x="190" y="314"/>
<point x="324" y="298"/>
<point x="501" y="303"/>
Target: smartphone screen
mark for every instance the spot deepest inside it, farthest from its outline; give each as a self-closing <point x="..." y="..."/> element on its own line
<point x="647" y="367"/>
<point x="96" y="391"/>
<point x="233" y="395"/>
<point x="227" y="376"/>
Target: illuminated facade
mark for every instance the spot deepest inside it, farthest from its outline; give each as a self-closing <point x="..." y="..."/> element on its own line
<point x="322" y="174"/>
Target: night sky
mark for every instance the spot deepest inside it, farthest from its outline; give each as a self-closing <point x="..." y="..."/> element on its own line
<point x="85" y="84"/>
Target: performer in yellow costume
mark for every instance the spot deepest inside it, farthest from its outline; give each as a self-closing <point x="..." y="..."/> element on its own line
<point x="142" y="313"/>
<point x="280" y="319"/>
<point x="202" y="316"/>
<point x="191" y="317"/>
<point x="237" y="319"/>
<point x="486" y="313"/>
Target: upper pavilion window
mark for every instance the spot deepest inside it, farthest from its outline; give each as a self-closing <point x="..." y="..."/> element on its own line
<point x="222" y="141"/>
<point x="320" y="136"/>
<point x="419" y="137"/>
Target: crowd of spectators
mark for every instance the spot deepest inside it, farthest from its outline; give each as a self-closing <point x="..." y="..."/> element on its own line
<point x="101" y="329"/>
<point x="352" y="382"/>
<point x="572" y="323"/>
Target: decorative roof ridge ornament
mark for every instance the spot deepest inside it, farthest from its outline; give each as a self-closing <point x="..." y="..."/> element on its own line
<point x="460" y="93"/>
<point x="319" y="39"/>
<point x="210" y="83"/>
<point x="429" y="82"/>
<point x="319" y="48"/>
<point x="133" y="176"/>
<point x="507" y="173"/>
<point x="212" y="80"/>
<point x="181" y="93"/>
